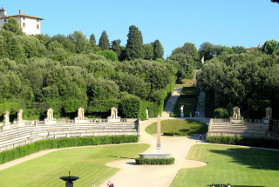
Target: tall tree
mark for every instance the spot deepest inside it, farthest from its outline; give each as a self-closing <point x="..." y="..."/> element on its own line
<point x="188" y="49"/>
<point x="134" y="47"/>
<point x="92" y="39"/>
<point x="148" y="51"/>
<point x="79" y="39"/>
<point x="270" y="46"/>
<point x="12" y="26"/>
<point x="115" y="46"/>
<point x="206" y="50"/>
<point x="104" y="41"/>
<point x="158" y="51"/>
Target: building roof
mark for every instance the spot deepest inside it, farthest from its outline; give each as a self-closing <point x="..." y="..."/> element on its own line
<point x="22" y="15"/>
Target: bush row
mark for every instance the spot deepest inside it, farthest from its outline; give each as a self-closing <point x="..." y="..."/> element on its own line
<point x="169" y="133"/>
<point x="256" y="142"/>
<point x="28" y="149"/>
<point x="155" y="161"/>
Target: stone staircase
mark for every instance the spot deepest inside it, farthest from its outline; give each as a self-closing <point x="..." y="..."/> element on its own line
<point x="225" y="127"/>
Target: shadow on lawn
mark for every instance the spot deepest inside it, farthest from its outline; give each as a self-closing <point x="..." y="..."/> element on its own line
<point x="217" y="185"/>
<point x="253" y="158"/>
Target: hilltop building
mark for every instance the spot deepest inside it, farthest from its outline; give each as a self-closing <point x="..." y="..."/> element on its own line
<point x="30" y="25"/>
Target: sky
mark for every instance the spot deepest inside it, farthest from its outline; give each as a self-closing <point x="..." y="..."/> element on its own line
<point x="245" y="23"/>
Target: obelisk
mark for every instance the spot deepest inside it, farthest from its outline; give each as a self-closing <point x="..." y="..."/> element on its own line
<point x="158" y="147"/>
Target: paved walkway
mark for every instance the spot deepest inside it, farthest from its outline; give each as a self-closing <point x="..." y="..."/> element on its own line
<point x="134" y="175"/>
<point x="171" y="102"/>
<point x="154" y="175"/>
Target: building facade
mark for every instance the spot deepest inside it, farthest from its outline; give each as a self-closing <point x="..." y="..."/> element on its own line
<point x="30" y="25"/>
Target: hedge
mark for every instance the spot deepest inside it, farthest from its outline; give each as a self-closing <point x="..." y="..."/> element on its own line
<point x="168" y="133"/>
<point x="256" y="142"/>
<point x="155" y="161"/>
<point x="28" y="149"/>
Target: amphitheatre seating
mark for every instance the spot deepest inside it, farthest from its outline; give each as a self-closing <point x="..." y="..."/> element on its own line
<point x="38" y="130"/>
<point x="223" y="127"/>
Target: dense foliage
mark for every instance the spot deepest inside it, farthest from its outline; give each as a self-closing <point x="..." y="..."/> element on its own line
<point x="248" y="80"/>
<point x="255" y="142"/>
<point x="28" y="149"/>
<point x="155" y="161"/>
<point x="67" y="72"/>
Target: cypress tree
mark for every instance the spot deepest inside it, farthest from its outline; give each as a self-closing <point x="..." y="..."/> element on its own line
<point x="104" y="41"/>
<point x="158" y="51"/>
<point x="92" y="39"/>
<point x="134" y="47"/>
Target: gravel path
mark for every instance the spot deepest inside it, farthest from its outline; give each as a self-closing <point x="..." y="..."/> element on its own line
<point x="154" y="175"/>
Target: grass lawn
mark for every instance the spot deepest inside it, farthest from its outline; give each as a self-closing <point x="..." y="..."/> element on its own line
<point x="188" y="98"/>
<point x="241" y="167"/>
<point x="185" y="83"/>
<point x="87" y="163"/>
<point x="179" y="125"/>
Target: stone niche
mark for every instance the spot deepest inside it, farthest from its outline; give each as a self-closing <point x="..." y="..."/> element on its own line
<point x="80" y="116"/>
<point x="50" y="119"/>
<point x="113" y="115"/>
<point x="236" y="118"/>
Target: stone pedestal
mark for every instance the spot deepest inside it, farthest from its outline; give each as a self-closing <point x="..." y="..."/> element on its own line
<point x="182" y="114"/>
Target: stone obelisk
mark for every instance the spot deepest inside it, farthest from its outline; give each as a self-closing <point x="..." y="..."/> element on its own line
<point x="158" y="147"/>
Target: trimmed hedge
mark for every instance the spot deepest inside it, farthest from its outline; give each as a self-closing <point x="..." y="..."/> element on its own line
<point x="175" y="134"/>
<point x="28" y="149"/>
<point x="155" y="161"/>
<point x="256" y="142"/>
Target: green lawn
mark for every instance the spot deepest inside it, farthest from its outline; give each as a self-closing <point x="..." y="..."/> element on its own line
<point x="185" y="83"/>
<point x="87" y="163"/>
<point x="188" y="98"/>
<point x="179" y="125"/>
<point x="241" y="167"/>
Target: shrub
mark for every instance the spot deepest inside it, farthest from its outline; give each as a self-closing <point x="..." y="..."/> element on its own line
<point x="108" y="54"/>
<point x="130" y="106"/>
<point x="169" y="133"/>
<point x="155" y="161"/>
<point x="256" y="142"/>
<point x="221" y="113"/>
<point x="28" y="149"/>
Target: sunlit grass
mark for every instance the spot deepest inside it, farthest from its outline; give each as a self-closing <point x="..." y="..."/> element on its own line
<point x="178" y="125"/>
<point x="241" y="167"/>
<point x="87" y="163"/>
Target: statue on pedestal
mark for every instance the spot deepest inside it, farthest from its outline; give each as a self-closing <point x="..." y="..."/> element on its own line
<point x="268" y="115"/>
<point x="80" y="113"/>
<point x="6" y="117"/>
<point x="49" y="114"/>
<point x="19" y="115"/>
<point x="181" y="110"/>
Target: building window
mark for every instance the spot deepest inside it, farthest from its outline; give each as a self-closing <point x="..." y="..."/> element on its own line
<point x="38" y="20"/>
<point x="23" y="18"/>
<point x="5" y="20"/>
<point x="23" y="24"/>
<point x="38" y="26"/>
